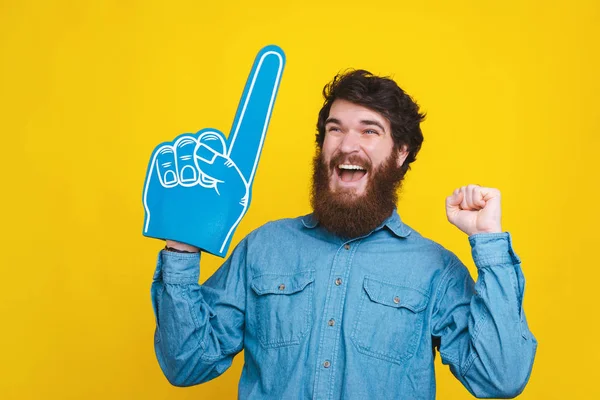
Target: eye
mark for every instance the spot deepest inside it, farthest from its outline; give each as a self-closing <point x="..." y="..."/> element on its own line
<point x="333" y="129"/>
<point x="371" y="132"/>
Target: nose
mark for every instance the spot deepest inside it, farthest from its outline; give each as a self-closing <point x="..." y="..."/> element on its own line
<point x="350" y="142"/>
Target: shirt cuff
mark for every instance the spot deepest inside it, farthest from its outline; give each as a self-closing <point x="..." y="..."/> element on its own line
<point x="493" y="249"/>
<point x="177" y="268"/>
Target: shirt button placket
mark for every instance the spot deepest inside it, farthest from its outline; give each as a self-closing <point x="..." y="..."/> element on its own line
<point x="333" y="306"/>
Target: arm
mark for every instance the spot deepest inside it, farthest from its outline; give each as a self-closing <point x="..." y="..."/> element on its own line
<point x="482" y="330"/>
<point x="199" y="328"/>
<point x="481" y="327"/>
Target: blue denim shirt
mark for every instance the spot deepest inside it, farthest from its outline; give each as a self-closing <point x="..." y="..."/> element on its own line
<point x="323" y="318"/>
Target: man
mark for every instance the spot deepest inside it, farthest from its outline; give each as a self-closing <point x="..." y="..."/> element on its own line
<point x="349" y="302"/>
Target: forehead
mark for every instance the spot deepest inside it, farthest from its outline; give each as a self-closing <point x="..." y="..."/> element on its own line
<point x="351" y="113"/>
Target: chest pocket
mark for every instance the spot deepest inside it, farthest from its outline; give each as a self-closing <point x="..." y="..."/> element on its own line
<point x="283" y="307"/>
<point x="389" y="321"/>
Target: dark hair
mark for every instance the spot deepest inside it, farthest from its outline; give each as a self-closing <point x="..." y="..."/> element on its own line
<point x="380" y="94"/>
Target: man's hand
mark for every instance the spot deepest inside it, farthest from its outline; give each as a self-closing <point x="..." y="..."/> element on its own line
<point x="474" y="209"/>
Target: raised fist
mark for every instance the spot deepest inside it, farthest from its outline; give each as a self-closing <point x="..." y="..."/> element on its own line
<point x="474" y="209"/>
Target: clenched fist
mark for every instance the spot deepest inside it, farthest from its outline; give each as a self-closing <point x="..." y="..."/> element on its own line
<point x="474" y="209"/>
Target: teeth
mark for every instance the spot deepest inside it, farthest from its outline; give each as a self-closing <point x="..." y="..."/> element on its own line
<point x="350" y="166"/>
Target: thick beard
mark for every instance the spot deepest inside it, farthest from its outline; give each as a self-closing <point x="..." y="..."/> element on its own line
<point x="348" y="215"/>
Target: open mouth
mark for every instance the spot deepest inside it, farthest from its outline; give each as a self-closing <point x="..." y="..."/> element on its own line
<point x="350" y="172"/>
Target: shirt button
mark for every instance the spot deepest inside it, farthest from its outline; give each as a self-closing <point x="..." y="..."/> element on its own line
<point x="347" y="246"/>
<point x="331" y="322"/>
<point x="281" y="287"/>
<point x="396" y="299"/>
<point x="327" y="364"/>
<point x="338" y="281"/>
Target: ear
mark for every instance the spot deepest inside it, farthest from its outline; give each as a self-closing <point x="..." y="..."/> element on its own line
<point x="402" y="154"/>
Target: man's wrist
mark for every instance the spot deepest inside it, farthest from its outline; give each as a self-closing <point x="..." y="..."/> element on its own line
<point x="178" y="247"/>
<point x="485" y="231"/>
<point x="178" y="268"/>
<point x="493" y="249"/>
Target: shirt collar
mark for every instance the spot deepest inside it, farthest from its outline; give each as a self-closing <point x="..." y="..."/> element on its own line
<point x="310" y="221"/>
<point x="393" y="223"/>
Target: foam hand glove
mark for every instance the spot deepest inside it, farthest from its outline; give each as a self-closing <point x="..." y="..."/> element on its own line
<point x="198" y="187"/>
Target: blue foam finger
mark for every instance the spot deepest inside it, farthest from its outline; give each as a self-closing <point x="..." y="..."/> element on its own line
<point x="254" y="111"/>
<point x="197" y="188"/>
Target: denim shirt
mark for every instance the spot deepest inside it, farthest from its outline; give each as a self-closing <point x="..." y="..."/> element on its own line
<point x="319" y="317"/>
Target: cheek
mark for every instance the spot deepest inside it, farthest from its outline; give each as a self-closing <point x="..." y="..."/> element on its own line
<point x="375" y="152"/>
<point x="329" y="141"/>
<point x="329" y="149"/>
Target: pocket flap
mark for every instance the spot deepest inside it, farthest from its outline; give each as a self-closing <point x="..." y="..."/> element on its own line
<point x="394" y="295"/>
<point x="282" y="283"/>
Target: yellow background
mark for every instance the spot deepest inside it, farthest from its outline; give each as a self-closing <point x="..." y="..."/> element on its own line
<point x="87" y="89"/>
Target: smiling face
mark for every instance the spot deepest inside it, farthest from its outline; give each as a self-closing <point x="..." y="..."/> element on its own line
<point x="368" y="134"/>
<point x="357" y="142"/>
<point x="357" y="171"/>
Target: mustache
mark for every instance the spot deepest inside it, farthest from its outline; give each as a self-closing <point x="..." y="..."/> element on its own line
<point x="345" y="158"/>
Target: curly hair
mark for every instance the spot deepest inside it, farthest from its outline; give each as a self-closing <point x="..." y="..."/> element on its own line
<point x="380" y="94"/>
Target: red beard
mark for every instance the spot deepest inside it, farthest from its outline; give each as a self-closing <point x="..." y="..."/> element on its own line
<point x="346" y="214"/>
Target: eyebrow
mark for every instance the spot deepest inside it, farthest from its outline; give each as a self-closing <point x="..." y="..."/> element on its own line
<point x="332" y="120"/>
<point x="372" y="122"/>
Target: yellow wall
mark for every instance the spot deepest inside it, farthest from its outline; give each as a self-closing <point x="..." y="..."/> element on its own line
<point x="87" y="89"/>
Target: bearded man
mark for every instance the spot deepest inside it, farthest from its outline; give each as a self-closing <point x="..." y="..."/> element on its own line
<point x="349" y="302"/>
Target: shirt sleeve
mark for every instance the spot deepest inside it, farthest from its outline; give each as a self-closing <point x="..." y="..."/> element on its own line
<point x="199" y="328"/>
<point x="481" y="327"/>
